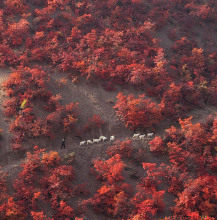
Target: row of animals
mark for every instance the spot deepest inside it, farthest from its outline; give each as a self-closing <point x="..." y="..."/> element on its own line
<point x="112" y="138"/>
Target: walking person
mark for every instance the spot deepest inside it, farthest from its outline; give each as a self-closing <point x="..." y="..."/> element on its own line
<point x="63" y="143"/>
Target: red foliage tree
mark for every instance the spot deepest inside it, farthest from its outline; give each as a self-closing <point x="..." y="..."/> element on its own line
<point x="112" y="200"/>
<point x="44" y="170"/>
<point x="15" y="6"/>
<point x="50" y="159"/>
<point x="137" y="113"/>
<point x="172" y="101"/>
<point x="39" y="216"/>
<point x="157" y="145"/>
<point x="199" y="196"/>
<point x="16" y="32"/>
<point x="110" y="170"/>
<point x="123" y="148"/>
<point x="12" y="210"/>
<point x="7" y="55"/>
<point x="65" y="211"/>
<point x="64" y="117"/>
<point x="147" y="200"/>
<point x="10" y="106"/>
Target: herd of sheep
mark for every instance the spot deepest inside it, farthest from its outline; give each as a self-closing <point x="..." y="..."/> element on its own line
<point x="112" y="138"/>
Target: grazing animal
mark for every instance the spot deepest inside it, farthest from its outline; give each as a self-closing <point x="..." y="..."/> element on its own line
<point x="112" y="138"/>
<point x="103" y="138"/>
<point x="82" y="143"/>
<point x="150" y="135"/>
<point x="136" y="136"/>
<point x="89" y="142"/>
<point x="142" y="137"/>
<point x="96" y="140"/>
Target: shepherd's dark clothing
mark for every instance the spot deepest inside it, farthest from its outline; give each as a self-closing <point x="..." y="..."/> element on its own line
<point x="63" y="143"/>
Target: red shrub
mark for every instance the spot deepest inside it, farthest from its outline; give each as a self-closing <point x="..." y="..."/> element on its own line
<point x="157" y="145"/>
<point x="123" y="148"/>
<point x="39" y="216"/>
<point x="109" y="170"/>
<point x="110" y="200"/>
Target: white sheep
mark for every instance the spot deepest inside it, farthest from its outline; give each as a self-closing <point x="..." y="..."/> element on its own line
<point x="89" y="142"/>
<point x="150" y="135"/>
<point x="112" y="138"/>
<point x="136" y="136"/>
<point x="96" y="140"/>
<point x="82" y="143"/>
<point x="142" y="137"/>
<point x="103" y="138"/>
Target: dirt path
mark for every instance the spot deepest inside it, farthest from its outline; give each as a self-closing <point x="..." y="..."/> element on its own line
<point x="4" y="125"/>
<point x="200" y="115"/>
<point x="93" y="99"/>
